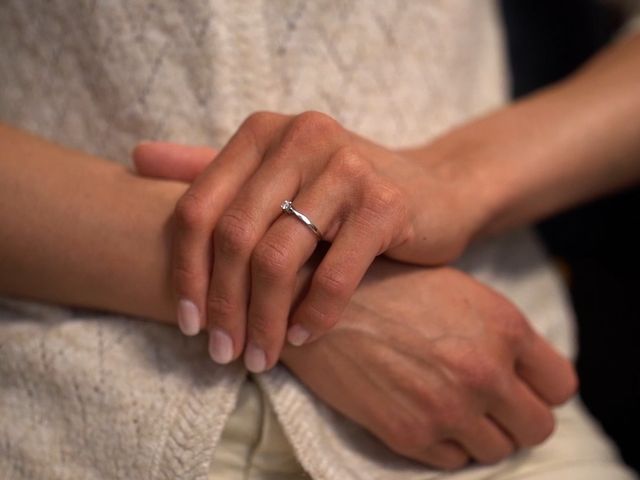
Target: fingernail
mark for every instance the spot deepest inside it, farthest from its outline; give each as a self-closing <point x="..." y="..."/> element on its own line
<point x="255" y="359"/>
<point x="188" y="317"/>
<point x="297" y="335"/>
<point x="220" y="346"/>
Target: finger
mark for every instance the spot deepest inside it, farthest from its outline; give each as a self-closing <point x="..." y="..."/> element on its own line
<point x="198" y="211"/>
<point x="446" y="455"/>
<point x="238" y="232"/>
<point x="548" y="373"/>
<point x="485" y="441"/>
<point x="335" y="280"/>
<point x="297" y="157"/>
<point x="275" y="263"/>
<point x="523" y="415"/>
<point x="171" y="160"/>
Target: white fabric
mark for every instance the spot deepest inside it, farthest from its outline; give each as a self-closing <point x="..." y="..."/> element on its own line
<point x="86" y="395"/>
<point x="254" y="447"/>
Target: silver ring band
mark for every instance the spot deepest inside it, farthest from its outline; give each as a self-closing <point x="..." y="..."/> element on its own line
<point x="287" y="207"/>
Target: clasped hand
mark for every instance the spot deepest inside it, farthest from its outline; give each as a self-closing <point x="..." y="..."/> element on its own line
<point x="437" y="366"/>
<point x="236" y="257"/>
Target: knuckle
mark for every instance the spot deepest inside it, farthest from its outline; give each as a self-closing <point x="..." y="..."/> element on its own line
<point x="184" y="279"/>
<point x="453" y="463"/>
<point x="565" y="384"/>
<point x="495" y="451"/>
<point x="511" y="324"/>
<point x="220" y="308"/>
<point x="543" y="428"/>
<point x="481" y="374"/>
<point x="347" y="163"/>
<point x="318" y="318"/>
<point x="191" y="211"/>
<point x="257" y="121"/>
<point x="450" y="417"/>
<point x="446" y="407"/>
<point x="312" y="124"/>
<point x="569" y="388"/>
<point x="271" y="258"/>
<point x="384" y="199"/>
<point x="446" y="455"/>
<point x="547" y="428"/>
<point x="260" y="326"/>
<point x="454" y="460"/>
<point x="408" y="435"/>
<point x="234" y="235"/>
<point x="500" y="453"/>
<point x="310" y="128"/>
<point x="332" y="281"/>
<point x="256" y="128"/>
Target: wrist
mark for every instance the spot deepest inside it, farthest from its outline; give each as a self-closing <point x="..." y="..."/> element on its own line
<point x="476" y="189"/>
<point x="87" y="234"/>
<point x="456" y="192"/>
<point x="498" y="166"/>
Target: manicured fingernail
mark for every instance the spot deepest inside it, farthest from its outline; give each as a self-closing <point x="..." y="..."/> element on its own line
<point x="220" y="346"/>
<point x="188" y="317"/>
<point x="297" y="335"/>
<point x="255" y="359"/>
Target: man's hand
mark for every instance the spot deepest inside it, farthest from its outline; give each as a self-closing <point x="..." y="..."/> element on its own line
<point x="439" y="367"/>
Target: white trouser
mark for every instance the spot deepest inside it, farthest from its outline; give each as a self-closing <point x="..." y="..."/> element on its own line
<point x="254" y="447"/>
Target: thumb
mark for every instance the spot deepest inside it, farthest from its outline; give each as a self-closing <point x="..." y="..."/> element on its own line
<point x="171" y="160"/>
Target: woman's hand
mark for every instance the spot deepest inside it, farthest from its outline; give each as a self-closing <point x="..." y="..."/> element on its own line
<point x="363" y="198"/>
<point x="437" y="366"/>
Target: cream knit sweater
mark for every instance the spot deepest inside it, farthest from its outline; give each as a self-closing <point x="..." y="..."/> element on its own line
<point x="87" y="395"/>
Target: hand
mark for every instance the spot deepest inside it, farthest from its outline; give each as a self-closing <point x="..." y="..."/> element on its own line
<point x="469" y="378"/>
<point x="365" y="200"/>
<point x="437" y="366"/>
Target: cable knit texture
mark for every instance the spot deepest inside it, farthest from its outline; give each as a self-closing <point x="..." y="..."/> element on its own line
<point x="88" y="395"/>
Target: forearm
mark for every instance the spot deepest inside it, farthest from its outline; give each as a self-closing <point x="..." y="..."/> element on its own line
<point x="567" y="144"/>
<point x="78" y="230"/>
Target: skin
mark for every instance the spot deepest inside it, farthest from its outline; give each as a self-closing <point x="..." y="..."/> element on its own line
<point x="574" y="141"/>
<point x="259" y="251"/>
<point x="569" y="143"/>
<point x="471" y="379"/>
<point x="459" y="367"/>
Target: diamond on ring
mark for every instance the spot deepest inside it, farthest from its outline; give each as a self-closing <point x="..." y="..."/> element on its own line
<point x="288" y="208"/>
